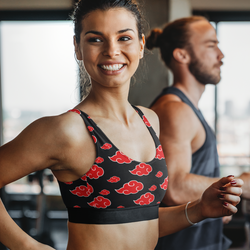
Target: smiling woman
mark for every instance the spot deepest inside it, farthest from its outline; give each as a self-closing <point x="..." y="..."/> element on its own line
<point x="126" y="38"/>
<point x="105" y="153"/>
<point x="104" y="45"/>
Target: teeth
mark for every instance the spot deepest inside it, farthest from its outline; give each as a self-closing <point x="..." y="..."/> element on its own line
<point x="112" y="67"/>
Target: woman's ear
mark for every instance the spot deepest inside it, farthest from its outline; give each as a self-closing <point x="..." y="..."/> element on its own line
<point x="77" y="50"/>
<point x="181" y="56"/>
<point x="142" y="45"/>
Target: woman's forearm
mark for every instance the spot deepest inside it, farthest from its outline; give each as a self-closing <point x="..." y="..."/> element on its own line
<point x="173" y="219"/>
<point x="11" y="235"/>
<point x="218" y="200"/>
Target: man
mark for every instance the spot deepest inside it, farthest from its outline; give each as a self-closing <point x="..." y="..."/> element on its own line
<point x="189" y="48"/>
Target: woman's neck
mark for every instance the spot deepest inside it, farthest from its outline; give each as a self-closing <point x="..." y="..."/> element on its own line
<point x="108" y="103"/>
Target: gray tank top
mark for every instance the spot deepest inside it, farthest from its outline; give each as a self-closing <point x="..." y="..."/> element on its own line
<point x="207" y="234"/>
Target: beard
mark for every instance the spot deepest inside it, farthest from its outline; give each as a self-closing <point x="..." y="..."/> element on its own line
<point x="201" y="73"/>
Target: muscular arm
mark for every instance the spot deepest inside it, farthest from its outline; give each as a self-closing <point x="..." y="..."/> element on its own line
<point x="178" y="128"/>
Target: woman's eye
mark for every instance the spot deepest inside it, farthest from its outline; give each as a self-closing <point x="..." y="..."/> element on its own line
<point x="124" y="38"/>
<point x="95" y="40"/>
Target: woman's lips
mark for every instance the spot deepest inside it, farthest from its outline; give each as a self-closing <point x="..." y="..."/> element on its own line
<point x="112" y="69"/>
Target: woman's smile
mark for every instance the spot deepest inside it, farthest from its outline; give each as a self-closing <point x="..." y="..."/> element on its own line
<point x="112" y="69"/>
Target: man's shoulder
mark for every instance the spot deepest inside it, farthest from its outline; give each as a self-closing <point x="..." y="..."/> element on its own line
<point x="176" y="116"/>
<point x="173" y="107"/>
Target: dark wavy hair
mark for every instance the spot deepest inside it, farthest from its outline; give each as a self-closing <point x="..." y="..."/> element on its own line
<point x="84" y="7"/>
<point x="174" y="35"/>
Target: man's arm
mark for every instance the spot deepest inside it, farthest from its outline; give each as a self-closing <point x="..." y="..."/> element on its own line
<point x="178" y="128"/>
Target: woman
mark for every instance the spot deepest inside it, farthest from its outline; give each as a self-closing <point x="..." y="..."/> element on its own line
<point x="105" y="153"/>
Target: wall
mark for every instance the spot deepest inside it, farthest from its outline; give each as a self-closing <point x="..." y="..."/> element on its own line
<point x="152" y="75"/>
<point x="151" y="79"/>
<point x="179" y="9"/>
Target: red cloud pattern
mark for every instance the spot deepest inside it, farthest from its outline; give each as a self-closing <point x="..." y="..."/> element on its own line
<point x="146" y="121"/>
<point x="95" y="172"/>
<point x="159" y="153"/>
<point x="153" y="188"/>
<point x="164" y="185"/>
<point x="90" y="128"/>
<point x="159" y="174"/>
<point x="98" y="193"/>
<point x="141" y="169"/>
<point x="104" y="192"/>
<point x="99" y="160"/>
<point x="114" y="179"/>
<point x="83" y="191"/>
<point x="84" y="178"/>
<point x="120" y="158"/>
<point x="106" y="146"/>
<point x="68" y="183"/>
<point x="131" y="187"/>
<point x="100" y="202"/>
<point x="94" y="138"/>
<point x="145" y="199"/>
<point x="75" y="110"/>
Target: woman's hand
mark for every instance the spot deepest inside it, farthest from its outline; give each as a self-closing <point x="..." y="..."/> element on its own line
<point x="227" y="219"/>
<point x="221" y="198"/>
<point x="46" y="247"/>
<point x="40" y="246"/>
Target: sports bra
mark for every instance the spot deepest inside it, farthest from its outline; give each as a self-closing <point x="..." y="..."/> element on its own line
<point x="116" y="189"/>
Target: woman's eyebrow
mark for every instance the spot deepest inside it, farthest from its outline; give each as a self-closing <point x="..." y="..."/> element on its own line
<point x="125" y="30"/>
<point x="100" y="33"/>
<point x="94" y="32"/>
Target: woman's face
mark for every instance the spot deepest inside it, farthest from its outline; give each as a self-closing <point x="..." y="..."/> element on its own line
<point x="110" y="47"/>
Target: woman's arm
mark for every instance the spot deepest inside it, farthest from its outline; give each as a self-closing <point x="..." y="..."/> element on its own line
<point x="49" y="142"/>
<point x="27" y="153"/>
<point x="218" y="200"/>
<point x="13" y="237"/>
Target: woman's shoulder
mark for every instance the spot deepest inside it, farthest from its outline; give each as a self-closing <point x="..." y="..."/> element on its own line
<point x="66" y="127"/>
<point x="151" y="117"/>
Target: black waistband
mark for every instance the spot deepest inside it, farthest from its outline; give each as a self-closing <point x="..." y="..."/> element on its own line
<point x="112" y="216"/>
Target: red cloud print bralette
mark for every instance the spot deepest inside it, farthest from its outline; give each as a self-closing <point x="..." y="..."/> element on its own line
<point x="116" y="189"/>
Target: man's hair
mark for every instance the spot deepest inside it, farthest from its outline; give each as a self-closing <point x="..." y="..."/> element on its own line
<point x="174" y="35"/>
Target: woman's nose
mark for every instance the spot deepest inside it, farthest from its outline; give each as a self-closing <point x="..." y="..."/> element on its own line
<point x="111" y="49"/>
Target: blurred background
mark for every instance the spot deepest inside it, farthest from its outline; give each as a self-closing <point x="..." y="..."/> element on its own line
<point x="39" y="77"/>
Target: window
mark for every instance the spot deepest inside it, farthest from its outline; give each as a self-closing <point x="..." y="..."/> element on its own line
<point x="233" y="100"/>
<point x="39" y="72"/>
<point x="233" y="96"/>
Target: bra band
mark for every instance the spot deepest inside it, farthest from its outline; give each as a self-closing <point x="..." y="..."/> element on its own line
<point x="112" y="216"/>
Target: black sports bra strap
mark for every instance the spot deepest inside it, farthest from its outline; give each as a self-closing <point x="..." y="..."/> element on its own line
<point x="138" y="111"/>
<point x="82" y="114"/>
